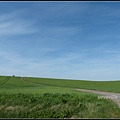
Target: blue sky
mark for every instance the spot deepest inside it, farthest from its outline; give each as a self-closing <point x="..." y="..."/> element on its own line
<point x="71" y="40"/>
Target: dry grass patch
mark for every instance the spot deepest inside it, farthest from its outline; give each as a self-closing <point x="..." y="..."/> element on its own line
<point x="2" y="106"/>
<point x="14" y="108"/>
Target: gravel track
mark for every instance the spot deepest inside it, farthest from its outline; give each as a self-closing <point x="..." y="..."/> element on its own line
<point x="115" y="97"/>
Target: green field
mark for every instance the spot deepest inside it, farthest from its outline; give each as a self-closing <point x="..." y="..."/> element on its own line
<point x="41" y="84"/>
<point x="51" y="95"/>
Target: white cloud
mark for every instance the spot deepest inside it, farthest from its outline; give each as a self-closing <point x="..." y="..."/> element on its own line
<point x="69" y="65"/>
<point x="61" y="67"/>
<point x="11" y="24"/>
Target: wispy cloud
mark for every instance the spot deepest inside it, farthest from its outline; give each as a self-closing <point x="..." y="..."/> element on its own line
<point x="61" y="31"/>
<point x="11" y="24"/>
<point x="69" y="65"/>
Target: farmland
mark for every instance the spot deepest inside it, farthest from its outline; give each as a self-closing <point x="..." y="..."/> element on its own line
<point x="42" y="97"/>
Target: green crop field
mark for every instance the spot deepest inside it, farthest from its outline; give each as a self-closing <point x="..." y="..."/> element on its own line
<point x="41" y="83"/>
<point x="55" y="98"/>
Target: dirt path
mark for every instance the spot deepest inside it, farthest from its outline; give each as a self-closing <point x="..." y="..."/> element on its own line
<point x="26" y="80"/>
<point x="115" y="97"/>
<point x="30" y="81"/>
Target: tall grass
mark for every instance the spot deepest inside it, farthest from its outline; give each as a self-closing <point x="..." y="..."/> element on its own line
<point x="49" y="105"/>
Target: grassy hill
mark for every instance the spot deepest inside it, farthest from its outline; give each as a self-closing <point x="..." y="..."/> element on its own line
<point x="31" y="97"/>
<point x="45" y="83"/>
